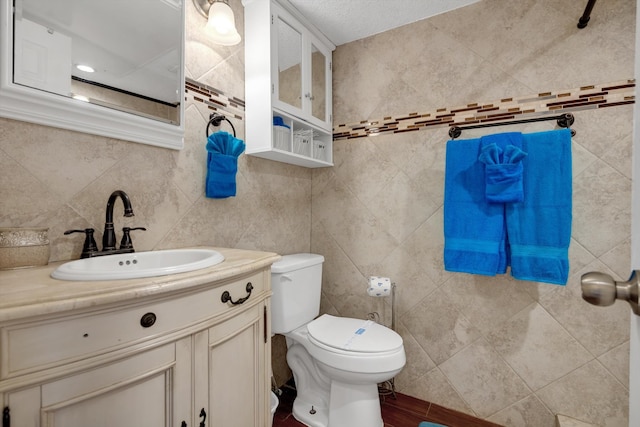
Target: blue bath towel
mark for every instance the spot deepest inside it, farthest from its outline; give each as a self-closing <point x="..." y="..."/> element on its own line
<point x="502" y="155"/>
<point x="222" y="164"/>
<point x="474" y="229"/>
<point x="532" y="236"/>
<point x="539" y="229"/>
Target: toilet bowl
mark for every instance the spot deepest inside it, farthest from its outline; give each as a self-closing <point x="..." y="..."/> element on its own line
<point x="337" y="362"/>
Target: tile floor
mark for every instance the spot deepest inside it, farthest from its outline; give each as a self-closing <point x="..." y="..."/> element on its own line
<point x="403" y="411"/>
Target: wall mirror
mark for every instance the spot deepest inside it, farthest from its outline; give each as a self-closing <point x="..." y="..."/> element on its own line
<point x="134" y="88"/>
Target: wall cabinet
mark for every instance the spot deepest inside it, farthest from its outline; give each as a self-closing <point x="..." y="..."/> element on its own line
<point x="287" y="81"/>
<point x="188" y="359"/>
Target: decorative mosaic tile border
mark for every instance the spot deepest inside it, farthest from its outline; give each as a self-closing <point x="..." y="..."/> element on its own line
<point x="504" y="110"/>
<point x="214" y="99"/>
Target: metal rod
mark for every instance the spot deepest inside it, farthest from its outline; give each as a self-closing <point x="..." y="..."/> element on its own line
<point x="564" y="120"/>
<point x="584" y="19"/>
<point x="393" y="306"/>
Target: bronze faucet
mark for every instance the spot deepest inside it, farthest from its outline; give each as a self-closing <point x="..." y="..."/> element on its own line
<point x="109" y="235"/>
<point x="90" y="248"/>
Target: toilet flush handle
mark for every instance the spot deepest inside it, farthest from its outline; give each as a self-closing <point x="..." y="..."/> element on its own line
<point x="284" y="277"/>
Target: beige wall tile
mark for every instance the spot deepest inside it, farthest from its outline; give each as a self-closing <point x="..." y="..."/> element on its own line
<point x="483" y="379"/>
<point x="434" y="387"/>
<point x="26" y="199"/>
<point x="485" y="300"/>
<point x="537" y="347"/>
<point x="601" y="400"/>
<point x="564" y="421"/>
<point x="439" y="328"/>
<point x="603" y="208"/>
<point x="616" y="361"/>
<point x="413" y="282"/>
<point x="530" y="411"/>
<point x="62" y="179"/>
<point x="487" y="51"/>
<point x="424" y="247"/>
<point x="418" y="361"/>
<point x="67" y="171"/>
<point x="598" y="329"/>
<point x="600" y="131"/>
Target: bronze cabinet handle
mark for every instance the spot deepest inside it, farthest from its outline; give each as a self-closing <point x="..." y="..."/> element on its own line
<point x="226" y="296"/>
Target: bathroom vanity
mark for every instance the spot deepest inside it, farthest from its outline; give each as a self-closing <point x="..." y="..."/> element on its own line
<point x="159" y="351"/>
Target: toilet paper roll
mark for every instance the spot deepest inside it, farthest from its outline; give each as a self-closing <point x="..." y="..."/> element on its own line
<point x="379" y="286"/>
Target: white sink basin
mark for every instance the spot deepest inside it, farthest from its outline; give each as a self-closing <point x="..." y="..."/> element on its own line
<point x="138" y="264"/>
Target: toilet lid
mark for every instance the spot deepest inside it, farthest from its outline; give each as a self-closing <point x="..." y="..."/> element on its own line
<point x="365" y="336"/>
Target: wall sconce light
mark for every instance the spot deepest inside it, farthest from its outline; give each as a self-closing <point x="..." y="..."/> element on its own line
<point x="221" y="25"/>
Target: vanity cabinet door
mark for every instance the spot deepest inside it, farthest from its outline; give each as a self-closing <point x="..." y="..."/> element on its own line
<point x="148" y="389"/>
<point x="231" y="368"/>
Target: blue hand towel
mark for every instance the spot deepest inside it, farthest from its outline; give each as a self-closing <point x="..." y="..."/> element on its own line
<point x="474" y="229"/>
<point x="222" y="164"/>
<point x="502" y="155"/>
<point x="428" y="424"/>
<point x="221" y="176"/>
<point x="539" y="229"/>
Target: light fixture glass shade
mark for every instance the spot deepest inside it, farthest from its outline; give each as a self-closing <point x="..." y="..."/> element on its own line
<point x="221" y="26"/>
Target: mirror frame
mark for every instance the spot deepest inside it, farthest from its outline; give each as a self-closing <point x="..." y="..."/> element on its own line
<point x="36" y="106"/>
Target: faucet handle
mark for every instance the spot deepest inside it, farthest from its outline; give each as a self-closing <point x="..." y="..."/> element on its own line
<point x="126" y="242"/>
<point x="90" y="247"/>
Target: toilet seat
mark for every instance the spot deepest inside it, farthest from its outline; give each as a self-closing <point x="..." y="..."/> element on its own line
<point x="353" y="335"/>
<point x="388" y="356"/>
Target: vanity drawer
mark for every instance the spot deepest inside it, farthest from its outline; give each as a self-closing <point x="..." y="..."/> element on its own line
<point x="34" y="346"/>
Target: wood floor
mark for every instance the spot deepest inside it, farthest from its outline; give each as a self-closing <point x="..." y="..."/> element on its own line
<point x="403" y="411"/>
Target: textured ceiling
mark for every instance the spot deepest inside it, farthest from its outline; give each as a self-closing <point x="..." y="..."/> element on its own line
<point x="343" y="21"/>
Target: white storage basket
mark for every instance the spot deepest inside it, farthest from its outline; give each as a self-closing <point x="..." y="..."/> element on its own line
<point x="302" y="142"/>
<point x="321" y="150"/>
<point x="282" y="138"/>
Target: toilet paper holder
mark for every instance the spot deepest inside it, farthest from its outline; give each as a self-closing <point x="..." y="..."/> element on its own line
<point x="388" y="387"/>
<point x="387" y="285"/>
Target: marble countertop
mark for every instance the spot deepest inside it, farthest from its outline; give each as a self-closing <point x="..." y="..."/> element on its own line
<point x="32" y="292"/>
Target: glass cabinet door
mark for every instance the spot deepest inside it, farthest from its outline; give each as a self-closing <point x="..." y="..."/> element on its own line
<point x="289" y="64"/>
<point x="301" y="67"/>
<point x="318" y="84"/>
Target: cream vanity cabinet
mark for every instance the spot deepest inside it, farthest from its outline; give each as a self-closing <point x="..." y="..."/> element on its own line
<point x="176" y="357"/>
<point x="287" y="77"/>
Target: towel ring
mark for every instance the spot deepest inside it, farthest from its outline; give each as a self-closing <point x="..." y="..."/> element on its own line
<point x="216" y="119"/>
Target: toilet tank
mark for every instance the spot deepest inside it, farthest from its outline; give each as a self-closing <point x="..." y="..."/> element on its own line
<point x="296" y="282"/>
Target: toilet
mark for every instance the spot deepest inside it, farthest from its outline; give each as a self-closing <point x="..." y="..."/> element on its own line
<point x="337" y="362"/>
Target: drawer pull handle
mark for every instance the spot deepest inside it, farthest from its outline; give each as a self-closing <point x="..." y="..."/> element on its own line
<point x="203" y="414"/>
<point x="147" y="320"/>
<point x="226" y="296"/>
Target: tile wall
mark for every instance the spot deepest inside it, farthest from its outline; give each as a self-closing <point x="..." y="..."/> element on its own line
<point x="62" y="179"/>
<point x="536" y="107"/>
<point x="510" y="351"/>
<point x="513" y="352"/>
